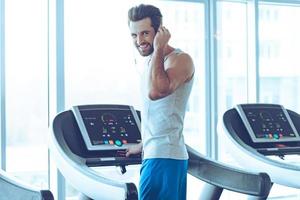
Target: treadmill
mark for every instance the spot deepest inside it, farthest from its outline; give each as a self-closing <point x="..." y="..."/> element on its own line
<point x="264" y="137"/>
<point x="87" y="139"/>
<point x="12" y="188"/>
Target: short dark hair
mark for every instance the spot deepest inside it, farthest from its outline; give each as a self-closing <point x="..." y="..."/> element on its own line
<point x="143" y="11"/>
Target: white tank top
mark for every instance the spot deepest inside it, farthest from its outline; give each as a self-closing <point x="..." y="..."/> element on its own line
<point x="162" y="120"/>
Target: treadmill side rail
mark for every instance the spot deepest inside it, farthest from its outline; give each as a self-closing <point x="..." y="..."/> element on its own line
<point x="222" y="177"/>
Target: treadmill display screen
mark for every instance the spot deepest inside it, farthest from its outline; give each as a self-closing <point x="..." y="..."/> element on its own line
<point x="268" y="123"/>
<point x="108" y="127"/>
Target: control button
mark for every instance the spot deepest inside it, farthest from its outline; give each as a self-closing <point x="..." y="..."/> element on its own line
<point x="276" y="136"/>
<point x="118" y="143"/>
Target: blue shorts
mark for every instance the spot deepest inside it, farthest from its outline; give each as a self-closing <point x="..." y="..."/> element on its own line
<point x="163" y="179"/>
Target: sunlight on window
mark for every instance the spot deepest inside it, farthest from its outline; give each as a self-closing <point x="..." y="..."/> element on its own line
<point x="26" y="90"/>
<point x="279" y="55"/>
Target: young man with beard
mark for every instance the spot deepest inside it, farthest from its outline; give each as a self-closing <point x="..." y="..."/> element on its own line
<point x="166" y="85"/>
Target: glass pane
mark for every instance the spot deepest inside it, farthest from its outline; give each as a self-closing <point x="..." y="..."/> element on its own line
<point x="232" y="60"/>
<point x="102" y="66"/>
<point x="231" y="38"/>
<point x="99" y="61"/>
<point x="26" y="90"/>
<point x="279" y="47"/>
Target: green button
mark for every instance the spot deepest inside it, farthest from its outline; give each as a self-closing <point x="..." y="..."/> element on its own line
<point x="118" y="143"/>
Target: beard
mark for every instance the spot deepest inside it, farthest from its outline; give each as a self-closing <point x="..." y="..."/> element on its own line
<point x="146" y="51"/>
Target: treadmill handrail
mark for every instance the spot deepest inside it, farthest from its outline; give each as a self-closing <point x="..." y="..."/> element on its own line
<point x="20" y="189"/>
<point x="227" y="177"/>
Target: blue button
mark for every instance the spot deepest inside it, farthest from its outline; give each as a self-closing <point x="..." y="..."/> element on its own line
<point x="118" y="143"/>
<point x="276" y="136"/>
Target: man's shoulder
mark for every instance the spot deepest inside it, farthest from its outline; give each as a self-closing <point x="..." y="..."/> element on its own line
<point x="180" y="58"/>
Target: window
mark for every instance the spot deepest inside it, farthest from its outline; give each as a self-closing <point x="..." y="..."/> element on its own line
<point x="279" y="71"/>
<point x="26" y="90"/>
<point x="232" y="54"/>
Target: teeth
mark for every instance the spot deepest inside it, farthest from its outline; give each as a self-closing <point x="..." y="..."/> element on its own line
<point x="143" y="46"/>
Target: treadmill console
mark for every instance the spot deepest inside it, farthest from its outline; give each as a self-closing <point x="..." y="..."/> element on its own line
<point x="108" y="127"/>
<point x="268" y="123"/>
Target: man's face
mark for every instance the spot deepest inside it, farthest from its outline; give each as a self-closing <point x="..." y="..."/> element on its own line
<point x="142" y="34"/>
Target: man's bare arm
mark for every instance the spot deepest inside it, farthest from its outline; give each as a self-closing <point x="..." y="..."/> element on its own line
<point x="165" y="80"/>
<point x="167" y="76"/>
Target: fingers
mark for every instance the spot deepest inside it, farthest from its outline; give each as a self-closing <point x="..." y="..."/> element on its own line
<point x="122" y="153"/>
<point x="127" y="153"/>
<point x="163" y="29"/>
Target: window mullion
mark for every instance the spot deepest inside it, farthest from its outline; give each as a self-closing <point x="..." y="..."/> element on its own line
<point x="2" y="88"/>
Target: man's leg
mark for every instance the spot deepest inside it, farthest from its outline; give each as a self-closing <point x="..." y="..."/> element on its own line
<point x="163" y="179"/>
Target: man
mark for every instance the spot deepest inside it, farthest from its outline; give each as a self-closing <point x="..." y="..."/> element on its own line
<point x="166" y="86"/>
